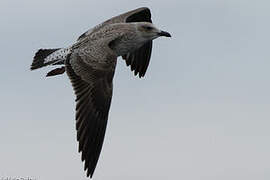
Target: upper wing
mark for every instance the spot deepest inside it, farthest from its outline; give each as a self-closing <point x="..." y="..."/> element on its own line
<point x="139" y="59"/>
<point x="91" y="78"/>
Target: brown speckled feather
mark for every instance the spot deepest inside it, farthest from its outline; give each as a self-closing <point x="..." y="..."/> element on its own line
<point x="93" y="90"/>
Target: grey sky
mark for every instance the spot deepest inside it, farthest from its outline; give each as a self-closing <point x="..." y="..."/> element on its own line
<point x="201" y="112"/>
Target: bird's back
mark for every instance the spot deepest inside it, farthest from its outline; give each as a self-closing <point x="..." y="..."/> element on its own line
<point x="120" y="37"/>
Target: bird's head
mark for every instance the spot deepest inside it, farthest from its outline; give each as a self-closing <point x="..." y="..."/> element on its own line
<point x="149" y="31"/>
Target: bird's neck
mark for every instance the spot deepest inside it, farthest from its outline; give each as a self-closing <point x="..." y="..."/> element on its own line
<point x="127" y="43"/>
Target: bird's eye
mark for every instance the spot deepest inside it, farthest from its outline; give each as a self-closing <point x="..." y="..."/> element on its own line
<point x="148" y="28"/>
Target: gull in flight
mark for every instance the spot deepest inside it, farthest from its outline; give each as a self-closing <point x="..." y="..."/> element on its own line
<point x="90" y="65"/>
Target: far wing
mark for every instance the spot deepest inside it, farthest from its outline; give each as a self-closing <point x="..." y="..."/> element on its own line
<point x="139" y="59"/>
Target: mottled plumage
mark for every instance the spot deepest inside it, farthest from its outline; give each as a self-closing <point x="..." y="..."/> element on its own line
<point x="90" y="65"/>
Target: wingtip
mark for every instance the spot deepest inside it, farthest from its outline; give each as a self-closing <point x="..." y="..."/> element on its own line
<point x="89" y="174"/>
<point x="144" y="7"/>
<point x="140" y="9"/>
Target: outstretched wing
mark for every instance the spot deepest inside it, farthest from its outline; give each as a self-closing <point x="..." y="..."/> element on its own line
<point x="139" y="59"/>
<point x="91" y="78"/>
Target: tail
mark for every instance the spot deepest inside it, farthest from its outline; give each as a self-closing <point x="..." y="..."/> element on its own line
<point x="45" y="57"/>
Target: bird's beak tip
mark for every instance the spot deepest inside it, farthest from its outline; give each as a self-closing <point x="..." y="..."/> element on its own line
<point x="164" y="33"/>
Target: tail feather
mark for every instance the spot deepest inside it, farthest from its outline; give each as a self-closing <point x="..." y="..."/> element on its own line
<point x="56" y="71"/>
<point x="40" y="56"/>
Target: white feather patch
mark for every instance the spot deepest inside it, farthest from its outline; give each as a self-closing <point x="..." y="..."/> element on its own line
<point x="58" y="55"/>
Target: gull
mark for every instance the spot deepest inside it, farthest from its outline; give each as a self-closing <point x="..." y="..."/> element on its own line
<point x="90" y="65"/>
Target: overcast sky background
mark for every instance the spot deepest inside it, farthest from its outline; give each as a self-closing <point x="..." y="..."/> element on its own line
<point x="201" y="113"/>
